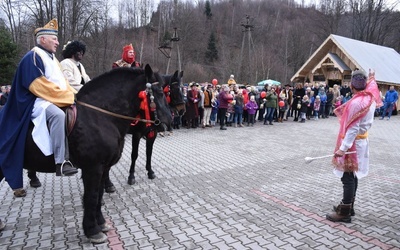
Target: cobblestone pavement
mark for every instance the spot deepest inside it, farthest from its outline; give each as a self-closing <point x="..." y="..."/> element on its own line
<point x="243" y="188"/>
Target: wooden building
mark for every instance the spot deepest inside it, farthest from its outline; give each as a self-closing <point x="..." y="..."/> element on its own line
<point x="333" y="62"/>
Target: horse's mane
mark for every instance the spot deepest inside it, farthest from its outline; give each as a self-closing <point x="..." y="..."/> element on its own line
<point x="114" y="77"/>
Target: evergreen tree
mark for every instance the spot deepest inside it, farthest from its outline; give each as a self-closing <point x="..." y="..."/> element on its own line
<point x="8" y="57"/>
<point x="212" y="51"/>
<point x="207" y="10"/>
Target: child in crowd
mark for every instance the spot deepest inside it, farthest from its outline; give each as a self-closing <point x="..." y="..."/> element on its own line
<point x="283" y="106"/>
<point x="338" y="102"/>
<point x="251" y="107"/>
<point x="317" y="104"/>
<point x="305" y="102"/>
<point x="214" y="111"/>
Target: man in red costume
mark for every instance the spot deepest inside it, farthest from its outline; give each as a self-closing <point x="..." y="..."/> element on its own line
<point x="355" y="117"/>
<point x="128" y="58"/>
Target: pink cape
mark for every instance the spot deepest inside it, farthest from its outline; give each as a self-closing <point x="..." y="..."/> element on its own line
<point x="349" y="114"/>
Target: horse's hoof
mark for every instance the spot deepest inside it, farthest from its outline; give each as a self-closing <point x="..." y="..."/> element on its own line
<point x="35" y="183"/>
<point x="131" y="181"/>
<point x="20" y="192"/>
<point x="98" y="238"/>
<point x="2" y="225"/>
<point x="105" y="228"/>
<point x="151" y="176"/>
<point x="110" y="189"/>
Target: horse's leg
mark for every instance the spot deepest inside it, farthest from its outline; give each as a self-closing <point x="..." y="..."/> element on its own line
<point x="135" y="149"/>
<point x="34" y="180"/>
<point x="92" y="217"/>
<point x="108" y="185"/>
<point x="149" y="152"/>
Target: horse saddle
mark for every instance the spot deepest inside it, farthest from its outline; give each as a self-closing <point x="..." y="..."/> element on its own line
<point x="70" y="118"/>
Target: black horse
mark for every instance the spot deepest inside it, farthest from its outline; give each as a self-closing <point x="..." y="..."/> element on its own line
<point x="97" y="139"/>
<point x="172" y="88"/>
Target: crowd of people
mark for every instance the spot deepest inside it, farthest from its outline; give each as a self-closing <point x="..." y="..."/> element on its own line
<point x="233" y="105"/>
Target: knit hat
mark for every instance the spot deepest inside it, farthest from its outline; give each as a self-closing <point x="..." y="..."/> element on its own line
<point x="51" y="28"/>
<point x="359" y="79"/>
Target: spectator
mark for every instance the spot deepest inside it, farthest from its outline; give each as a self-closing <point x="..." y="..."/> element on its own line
<point x="345" y="90"/>
<point x="329" y="101"/>
<point x="239" y="104"/>
<point x="305" y="103"/>
<point x="231" y="80"/>
<point x="200" y="90"/>
<point x="317" y="105"/>
<point x="4" y="95"/>
<point x="223" y="98"/>
<point x="391" y="98"/>
<point x="251" y="107"/>
<point x="208" y="98"/>
<point x="214" y="111"/>
<point x="311" y="98"/>
<point x="287" y="96"/>
<point x="271" y="104"/>
<point x="230" y="112"/>
<point x="192" y="110"/>
<point x="298" y="94"/>
<point x="324" y="98"/>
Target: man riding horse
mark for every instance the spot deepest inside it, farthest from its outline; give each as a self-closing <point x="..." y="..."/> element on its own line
<point x="39" y="92"/>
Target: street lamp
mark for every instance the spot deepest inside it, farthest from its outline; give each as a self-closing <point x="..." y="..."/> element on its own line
<point x="165" y="48"/>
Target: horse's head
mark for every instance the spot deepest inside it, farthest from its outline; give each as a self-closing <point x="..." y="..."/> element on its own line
<point x="174" y="82"/>
<point x="163" y="113"/>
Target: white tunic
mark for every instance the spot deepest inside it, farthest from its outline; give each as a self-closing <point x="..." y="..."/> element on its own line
<point x="72" y="73"/>
<point x="40" y="133"/>
<point x="362" y="145"/>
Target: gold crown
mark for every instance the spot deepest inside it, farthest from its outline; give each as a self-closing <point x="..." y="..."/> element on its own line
<point x="51" y="28"/>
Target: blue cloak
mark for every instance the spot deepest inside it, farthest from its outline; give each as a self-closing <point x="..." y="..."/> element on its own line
<point x="15" y="118"/>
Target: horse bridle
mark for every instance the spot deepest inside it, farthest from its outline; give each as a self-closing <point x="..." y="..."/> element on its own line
<point x="148" y="90"/>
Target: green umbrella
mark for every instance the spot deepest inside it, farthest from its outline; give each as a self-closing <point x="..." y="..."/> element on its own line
<point x="269" y="82"/>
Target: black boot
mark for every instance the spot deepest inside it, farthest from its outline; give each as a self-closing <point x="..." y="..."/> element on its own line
<point x="342" y="214"/>
<point x="66" y="169"/>
<point x="352" y="212"/>
<point x="34" y="181"/>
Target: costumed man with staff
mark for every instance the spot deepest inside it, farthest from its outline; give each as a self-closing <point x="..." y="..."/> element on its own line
<point x="39" y="91"/>
<point x="355" y="117"/>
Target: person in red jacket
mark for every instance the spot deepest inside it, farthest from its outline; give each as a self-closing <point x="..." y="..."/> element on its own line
<point x="224" y="98"/>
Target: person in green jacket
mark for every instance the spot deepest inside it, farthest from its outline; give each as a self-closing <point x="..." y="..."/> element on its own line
<point x="271" y="104"/>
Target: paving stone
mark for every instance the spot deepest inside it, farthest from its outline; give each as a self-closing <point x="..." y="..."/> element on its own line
<point x="253" y="197"/>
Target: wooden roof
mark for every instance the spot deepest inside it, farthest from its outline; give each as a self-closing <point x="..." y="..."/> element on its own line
<point x="348" y="54"/>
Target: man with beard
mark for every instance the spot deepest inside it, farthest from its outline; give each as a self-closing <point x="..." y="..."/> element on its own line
<point x="128" y="58"/>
